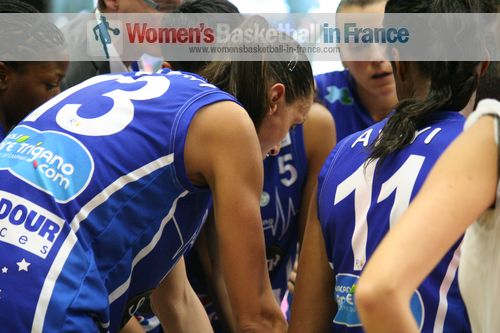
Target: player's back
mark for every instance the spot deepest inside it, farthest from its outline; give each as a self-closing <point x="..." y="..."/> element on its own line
<point x="359" y="201"/>
<point x="90" y="185"/>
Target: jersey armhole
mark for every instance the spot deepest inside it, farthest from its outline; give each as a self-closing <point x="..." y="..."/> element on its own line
<point x="181" y="127"/>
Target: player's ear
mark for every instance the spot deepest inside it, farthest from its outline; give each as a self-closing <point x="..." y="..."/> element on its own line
<point x="276" y="94"/>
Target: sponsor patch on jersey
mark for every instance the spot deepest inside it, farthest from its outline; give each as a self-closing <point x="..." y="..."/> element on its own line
<point x="345" y="287"/>
<point x="27" y="225"/>
<point x="53" y="162"/>
<point x="347" y="315"/>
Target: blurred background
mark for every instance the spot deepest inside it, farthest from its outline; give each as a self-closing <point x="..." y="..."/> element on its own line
<point x="245" y="6"/>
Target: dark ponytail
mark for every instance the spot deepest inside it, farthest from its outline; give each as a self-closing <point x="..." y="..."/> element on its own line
<point x="244" y="80"/>
<point x="452" y="83"/>
<point x="249" y="81"/>
<point x="489" y="83"/>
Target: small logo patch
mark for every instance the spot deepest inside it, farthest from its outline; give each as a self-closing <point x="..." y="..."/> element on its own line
<point x="264" y="199"/>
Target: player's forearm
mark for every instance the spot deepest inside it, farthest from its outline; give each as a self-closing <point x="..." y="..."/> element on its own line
<point x="206" y="249"/>
<point x="243" y="265"/>
<point x="313" y="306"/>
<point x="269" y="320"/>
<point x="176" y="304"/>
<point x="384" y="310"/>
<point x="186" y="315"/>
<point x="388" y="321"/>
<point x="221" y="300"/>
<point x="254" y="306"/>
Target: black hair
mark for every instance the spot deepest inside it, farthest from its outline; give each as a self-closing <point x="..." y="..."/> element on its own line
<point x="41" y="5"/>
<point x="101" y="4"/>
<point x="489" y="84"/>
<point x="16" y="6"/>
<point x="249" y="81"/>
<point x="452" y="83"/>
<point x="357" y="3"/>
<point x="27" y="33"/>
<point x="205" y="6"/>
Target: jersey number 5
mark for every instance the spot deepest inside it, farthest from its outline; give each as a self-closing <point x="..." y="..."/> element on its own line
<point x="284" y="168"/>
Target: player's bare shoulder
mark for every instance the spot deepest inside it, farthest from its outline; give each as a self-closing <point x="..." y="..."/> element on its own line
<point x="217" y="131"/>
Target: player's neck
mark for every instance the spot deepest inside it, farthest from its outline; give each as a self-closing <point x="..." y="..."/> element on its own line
<point x="470" y="106"/>
<point x="377" y="106"/>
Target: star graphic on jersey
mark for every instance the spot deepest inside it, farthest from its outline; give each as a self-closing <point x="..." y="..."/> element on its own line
<point x="4" y="270"/>
<point x="336" y="94"/>
<point x="23" y="265"/>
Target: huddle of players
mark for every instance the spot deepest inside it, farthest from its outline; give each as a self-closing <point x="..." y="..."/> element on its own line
<point x="126" y="230"/>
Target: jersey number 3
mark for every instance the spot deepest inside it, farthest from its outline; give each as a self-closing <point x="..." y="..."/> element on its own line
<point x="112" y="121"/>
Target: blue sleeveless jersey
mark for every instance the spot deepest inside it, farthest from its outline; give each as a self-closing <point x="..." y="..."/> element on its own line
<point x="357" y="205"/>
<point x="284" y="179"/>
<point x="95" y="203"/>
<point x="337" y="91"/>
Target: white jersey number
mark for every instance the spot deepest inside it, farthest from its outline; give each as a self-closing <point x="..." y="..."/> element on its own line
<point x="361" y="183"/>
<point x="284" y="168"/>
<point x="112" y="121"/>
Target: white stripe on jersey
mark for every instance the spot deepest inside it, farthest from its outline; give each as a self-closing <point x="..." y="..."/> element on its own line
<point x="50" y="281"/>
<point x="71" y="239"/>
<point x="118" y="292"/>
<point x="443" y="291"/>
<point x="118" y="185"/>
